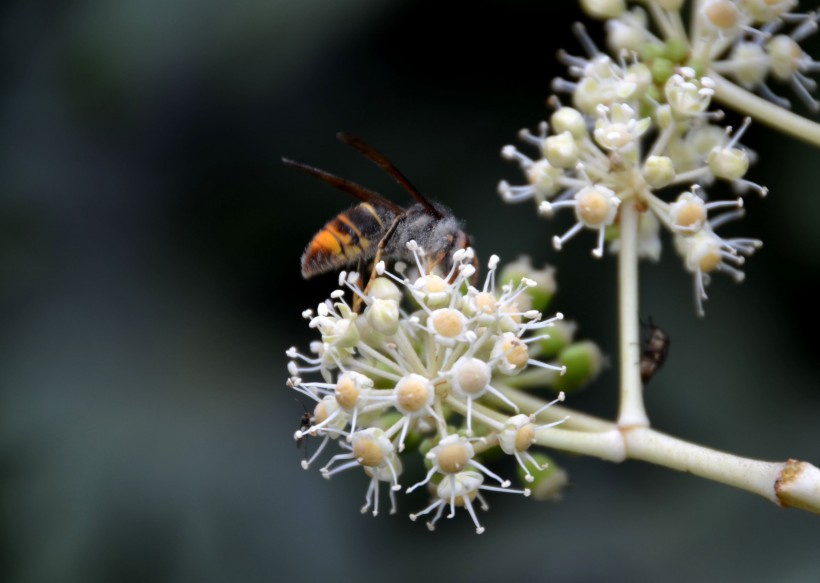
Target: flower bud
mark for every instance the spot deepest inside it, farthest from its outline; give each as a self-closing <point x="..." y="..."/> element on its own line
<point x="541" y="294"/>
<point x="544" y="178"/>
<point x="728" y="163"/>
<point x="568" y="119"/>
<point x="560" y="334"/>
<point x="784" y="53"/>
<point x="383" y="288"/>
<point x="659" y="171"/>
<point x="547" y="483"/>
<point x="583" y="361"/>
<point x="751" y="65"/>
<point x="383" y="316"/>
<point x="603" y="9"/>
<point x="561" y="150"/>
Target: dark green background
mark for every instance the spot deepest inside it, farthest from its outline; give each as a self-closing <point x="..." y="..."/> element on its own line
<point x="149" y="286"/>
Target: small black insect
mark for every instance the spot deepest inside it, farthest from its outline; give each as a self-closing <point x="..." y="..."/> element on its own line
<point x="655" y="350"/>
<point x="305" y="423"/>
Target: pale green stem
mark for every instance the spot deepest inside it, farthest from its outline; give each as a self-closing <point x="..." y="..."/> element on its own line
<point x="662" y="21"/>
<point x="791" y="483"/>
<point x="631" y="412"/>
<point x="763" y="111"/>
<point x="577" y="420"/>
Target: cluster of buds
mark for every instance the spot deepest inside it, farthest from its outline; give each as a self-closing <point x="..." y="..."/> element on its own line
<point x="640" y="133"/>
<point x="431" y="364"/>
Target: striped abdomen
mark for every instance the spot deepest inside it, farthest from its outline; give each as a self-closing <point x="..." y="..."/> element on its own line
<point x="352" y="235"/>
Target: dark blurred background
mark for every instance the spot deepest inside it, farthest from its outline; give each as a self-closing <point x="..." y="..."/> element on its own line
<point x="149" y="286"/>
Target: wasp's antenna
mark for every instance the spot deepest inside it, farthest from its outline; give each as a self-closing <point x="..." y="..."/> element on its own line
<point x="379" y="160"/>
<point x="353" y="189"/>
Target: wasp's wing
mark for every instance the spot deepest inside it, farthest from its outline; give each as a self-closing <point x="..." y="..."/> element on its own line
<point x="353" y="189"/>
<point x="377" y="158"/>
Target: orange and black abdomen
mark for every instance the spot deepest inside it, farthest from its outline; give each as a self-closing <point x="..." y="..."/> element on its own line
<point x="351" y="235"/>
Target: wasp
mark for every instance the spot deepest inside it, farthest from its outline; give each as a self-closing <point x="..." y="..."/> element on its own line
<point x="654" y="352"/>
<point x="378" y="228"/>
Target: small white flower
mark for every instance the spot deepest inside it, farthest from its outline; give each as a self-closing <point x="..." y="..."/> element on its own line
<point x="595" y="208"/>
<point x="687" y="94"/>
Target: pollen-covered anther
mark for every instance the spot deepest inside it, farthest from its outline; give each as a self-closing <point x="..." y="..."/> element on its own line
<point x="688" y="213"/>
<point x="454" y="457"/>
<point x="413" y="393"/>
<point x="525" y="437"/>
<point x="433" y="290"/>
<point x="515" y="353"/>
<point x="471" y="376"/>
<point x="366" y="451"/>
<point x="485" y="303"/>
<point x="722" y="15"/>
<point x="709" y="259"/>
<point x="594" y="208"/>
<point x="350" y="388"/>
<point x="347" y="393"/>
<point x="448" y="323"/>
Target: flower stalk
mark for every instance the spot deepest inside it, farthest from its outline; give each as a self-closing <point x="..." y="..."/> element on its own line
<point x="632" y="412"/>
<point x="790" y="484"/>
<point x="774" y="116"/>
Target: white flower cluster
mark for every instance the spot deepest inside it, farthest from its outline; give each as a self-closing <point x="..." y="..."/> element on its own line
<point x="431" y="378"/>
<point x="640" y="130"/>
<point x="745" y="40"/>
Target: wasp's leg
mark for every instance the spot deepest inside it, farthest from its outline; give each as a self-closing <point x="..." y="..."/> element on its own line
<point x="357" y="299"/>
<point x="382" y="244"/>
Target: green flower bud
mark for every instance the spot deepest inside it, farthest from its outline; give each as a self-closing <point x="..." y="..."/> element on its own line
<point x="676" y="50"/>
<point x="662" y="69"/>
<point x="541" y="294"/>
<point x="583" y="361"/>
<point x="651" y="51"/>
<point x="560" y="335"/>
<point x="549" y="482"/>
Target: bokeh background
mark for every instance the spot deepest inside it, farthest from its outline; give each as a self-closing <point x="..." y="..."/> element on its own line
<point x="149" y="287"/>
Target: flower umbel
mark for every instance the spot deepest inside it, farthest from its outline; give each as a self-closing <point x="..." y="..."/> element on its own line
<point x="640" y="131"/>
<point x="427" y="364"/>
